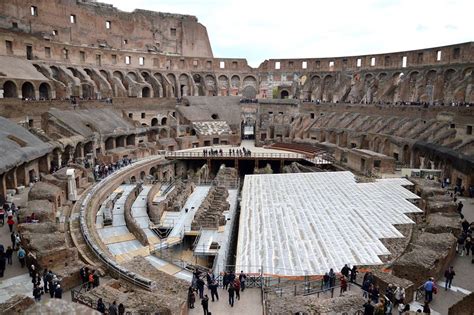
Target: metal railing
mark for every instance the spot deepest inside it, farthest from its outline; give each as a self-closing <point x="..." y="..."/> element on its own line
<point x="253" y="155"/>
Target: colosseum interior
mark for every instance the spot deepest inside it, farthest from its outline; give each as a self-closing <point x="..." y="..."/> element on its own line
<point x="130" y="150"/>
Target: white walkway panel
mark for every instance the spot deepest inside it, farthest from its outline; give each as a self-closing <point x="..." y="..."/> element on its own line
<point x="307" y="223"/>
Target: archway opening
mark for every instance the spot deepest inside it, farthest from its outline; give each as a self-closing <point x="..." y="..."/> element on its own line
<point x="154" y="122"/>
<point x="28" y="90"/>
<point x="284" y="94"/>
<point x="9" y="89"/>
<point x="146" y="92"/>
<point x="44" y="91"/>
<point x="164" y="120"/>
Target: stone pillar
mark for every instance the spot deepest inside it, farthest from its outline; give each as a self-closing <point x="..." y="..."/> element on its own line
<point x="21" y="176"/>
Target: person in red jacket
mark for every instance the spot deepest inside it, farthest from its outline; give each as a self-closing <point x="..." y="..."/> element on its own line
<point x="343" y="284"/>
<point x="10" y="223"/>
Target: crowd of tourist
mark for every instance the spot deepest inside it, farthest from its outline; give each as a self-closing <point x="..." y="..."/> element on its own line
<point x="231" y="152"/>
<point x="103" y="170"/>
<point x="232" y="283"/>
<point x="248" y="101"/>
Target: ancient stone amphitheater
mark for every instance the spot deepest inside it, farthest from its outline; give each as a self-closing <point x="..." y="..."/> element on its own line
<point x="129" y="141"/>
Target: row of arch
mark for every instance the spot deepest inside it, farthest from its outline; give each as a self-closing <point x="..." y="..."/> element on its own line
<point x="414" y="86"/>
<point x="27" y="89"/>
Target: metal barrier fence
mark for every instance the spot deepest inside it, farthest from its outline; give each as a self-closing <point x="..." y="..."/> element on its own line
<point x="197" y="154"/>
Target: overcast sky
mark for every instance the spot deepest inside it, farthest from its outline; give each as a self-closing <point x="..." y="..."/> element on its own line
<point x="259" y="30"/>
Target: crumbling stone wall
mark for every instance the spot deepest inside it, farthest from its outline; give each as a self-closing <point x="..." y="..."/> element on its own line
<point x="428" y="256"/>
<point x="383" y="279"/>
<point x="131" y="223"/>
<point x="174" y="200"/>
<point x="463" y="307"/>
<point x="209" y="214"/>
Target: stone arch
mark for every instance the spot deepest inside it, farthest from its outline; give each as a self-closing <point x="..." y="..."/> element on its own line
<point x="142" y="175"/>
<point x="146" y="92"/>
<point x="235" y="81"/>
<point x="382" y="76"/>
<point x="327" y="90"/>
<point x="131" y="139"/>
<point x="55" y="72"/>
<point x="468" y="72"/>
<point x="28" y="90"/>
<point x="184" y="86"/>
<point x="431" y="76"/>
<point x="250" y="80"/>
<point x="109" y="143"/>
<point x="105" y="74"/>
<point x="223" y="83"/>
<point x="171" y="77"/>
<point x="10" y="90"/>
<point x="44" y="91"/>
<point x="133" y="179"/>
<point x="154" y="122"/>
<point x="284" y="94"/>
<point x="164" y="121"/>
<point x="78" y="150"/>
<point x="118" y="75"/>
<point x="153" y="172"/>
<point x="449" y="75"/>
<point x="132" y="75"/>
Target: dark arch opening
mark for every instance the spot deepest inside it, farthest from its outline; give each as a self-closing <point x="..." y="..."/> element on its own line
<point x="164" y="120"/>
<point x="215" y="116"/>
<point x="44" y="91"/>
<point x="284" y="94"/>
<point x="28" y="90"/>
<point x="9" y="89"/>
<point x="146" y="92"/>
<point x="154" y="122"/>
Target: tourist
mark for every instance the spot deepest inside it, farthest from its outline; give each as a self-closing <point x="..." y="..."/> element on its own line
<point x="354" y="273"/>
<point x="13" y="239"/>
<point x="449" y="275"/>
<point x="9" y="254"/>
<point x="121" y="309"/>
<point x="113" y="309"/>
<point x="325" y="283"/>
<point x="460" y="206"/>
<point x="225" y="280"/>
<point x="368" y="308"/>
<point x="465" y="225"/>
<point x="21" y="256"/>
<point x="58" y="292"/>
<point x="90" y="280"/>
<point x="380" y="307"/>
<point x="237" y="288"/>
<point x="389" y="292"/>
<point x="242" y="278"/>
<point x="17" y="241"/>
<point x="205" y="304"/>
<point x="83" y="272"/>
<point x="460" y="244"/>
<point x="429" y="287"/>
<point x="96" y="282"/>
<point x="231" y="291"/>
<point x="366" y="286"/>
<point x="191" y="297"/>
<point x="332" y="278"/>
<point x="468" y="245"/>
<point x="345" y="271"/>
<point x="100" y="306"/>
<point x="213" y="288"/>
<point x="200" y="287"/>
<point x="37" y="292"/>
<point x="10" y="223"/>
<point x="388" y="307"/>
<point x="343" y="285"/>
<point x="426" y="308"/>
<point x="375" y="293"/>
<point x="399" y="295"/>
